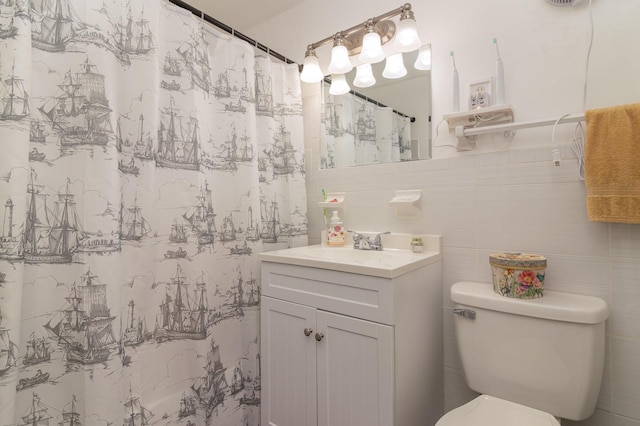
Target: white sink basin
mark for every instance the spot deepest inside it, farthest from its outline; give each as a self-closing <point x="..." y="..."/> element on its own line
<point x="388" y="263"/>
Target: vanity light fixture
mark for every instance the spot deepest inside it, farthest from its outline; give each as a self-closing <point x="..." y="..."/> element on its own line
<point x="394" y="67"/>
<point x="311" y="67"/>
<point x="364" y="76"/>
<point x="339" y="85"/>
<point x="340" y="63"/>
<point x="371" y="45"/>
<point x="363" y="44"/>
<point x="423" y="61"/>
<point x="406" y="39"/>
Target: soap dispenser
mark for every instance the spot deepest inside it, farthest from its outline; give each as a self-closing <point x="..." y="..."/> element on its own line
<point x="335" y="233"/>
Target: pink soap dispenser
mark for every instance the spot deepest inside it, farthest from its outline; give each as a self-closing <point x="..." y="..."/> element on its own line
<point x="336" y="231"/>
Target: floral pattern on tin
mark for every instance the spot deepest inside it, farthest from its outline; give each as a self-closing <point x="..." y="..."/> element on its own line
<point x="523" y="284"/>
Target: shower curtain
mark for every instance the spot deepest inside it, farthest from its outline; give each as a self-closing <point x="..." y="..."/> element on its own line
<point x="145" y="159"/>
<point x="355" y="131"/>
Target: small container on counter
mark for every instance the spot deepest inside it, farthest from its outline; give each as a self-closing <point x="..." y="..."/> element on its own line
<point x="417" y="245"/>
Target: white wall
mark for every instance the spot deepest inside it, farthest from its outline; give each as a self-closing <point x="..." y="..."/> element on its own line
<point x="512" y="199"/>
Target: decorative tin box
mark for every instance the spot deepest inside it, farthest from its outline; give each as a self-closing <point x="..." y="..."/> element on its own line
<point x="518" y="275"/>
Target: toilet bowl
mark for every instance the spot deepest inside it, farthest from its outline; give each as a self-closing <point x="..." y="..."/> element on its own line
<point x="533" y="361"/>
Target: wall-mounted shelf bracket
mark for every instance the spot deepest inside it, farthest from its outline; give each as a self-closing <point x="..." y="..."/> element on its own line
<point x="335" y="201"/>
<point x="407" y="202"/>
<point x="489" y="116"/>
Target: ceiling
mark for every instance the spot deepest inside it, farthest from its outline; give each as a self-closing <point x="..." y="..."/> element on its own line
<point x="243" y="14"/>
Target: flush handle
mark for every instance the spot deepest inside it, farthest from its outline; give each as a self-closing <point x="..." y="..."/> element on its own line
<point x="308" y="331"/>
<point x="467" y="313"/>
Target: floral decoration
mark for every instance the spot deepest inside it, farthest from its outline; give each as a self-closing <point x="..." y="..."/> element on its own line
<point x="521" y="284"/>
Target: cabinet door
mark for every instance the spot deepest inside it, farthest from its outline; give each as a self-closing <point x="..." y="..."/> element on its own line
<point x="288" y="364"/>
<point x="355" y="372"/>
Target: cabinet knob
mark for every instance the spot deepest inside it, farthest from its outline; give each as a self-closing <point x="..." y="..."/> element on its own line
<point x="319" y="336"/>
<point x="307" y="332"/>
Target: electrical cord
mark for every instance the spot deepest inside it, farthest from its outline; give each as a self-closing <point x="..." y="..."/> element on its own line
<point x="586" y="68"/>
<point x="508" y="135"/>
<point x="445" y="145"/>
<point x="478" y="118"/>
<point x="555" y="151"/>
<point x="577" y="144"/>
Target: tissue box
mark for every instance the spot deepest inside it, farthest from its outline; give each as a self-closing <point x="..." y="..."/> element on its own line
<point x="518" y="275"/>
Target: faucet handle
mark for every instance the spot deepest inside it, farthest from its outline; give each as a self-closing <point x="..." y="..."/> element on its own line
<point x="362" y="242"/>
<point x="378" y="238"/>
<point x="359" y="240"/>
<point x="356" y="234"/>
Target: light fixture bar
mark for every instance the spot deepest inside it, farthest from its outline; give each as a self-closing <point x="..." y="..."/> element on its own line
<point x="360" y="27"/>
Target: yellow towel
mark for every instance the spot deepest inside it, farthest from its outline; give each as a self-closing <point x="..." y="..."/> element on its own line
<point x="612" y="164"/>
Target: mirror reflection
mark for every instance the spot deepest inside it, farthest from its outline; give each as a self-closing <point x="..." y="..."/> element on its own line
<point x="388" y="122"/>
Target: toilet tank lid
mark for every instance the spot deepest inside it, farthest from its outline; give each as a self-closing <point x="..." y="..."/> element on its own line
<point x="486" y="410"/>
<point x="553" y="305"/>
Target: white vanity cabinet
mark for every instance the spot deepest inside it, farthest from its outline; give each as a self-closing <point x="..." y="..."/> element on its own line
<point x="342" y="348"/>
<point x="341" y="373"/>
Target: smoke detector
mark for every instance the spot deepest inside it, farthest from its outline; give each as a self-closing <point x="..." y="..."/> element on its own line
<point x="565" y="2"/>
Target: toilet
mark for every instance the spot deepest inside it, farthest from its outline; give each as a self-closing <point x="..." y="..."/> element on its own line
<point x="533" y="361"/>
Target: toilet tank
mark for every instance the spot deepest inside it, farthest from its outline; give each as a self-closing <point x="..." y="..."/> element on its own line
<point x="545" y="353"/>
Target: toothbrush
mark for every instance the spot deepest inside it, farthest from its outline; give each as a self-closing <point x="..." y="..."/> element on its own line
<point x="324" y="199"/>
<point x="455" y="86"/>
<point x="499" y="76"/>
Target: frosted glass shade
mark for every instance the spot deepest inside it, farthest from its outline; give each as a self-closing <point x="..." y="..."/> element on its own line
<point x="394" y="67"/>
<point x="371" y="49"/>
<point x="311" y="72"/>
<point x="364" y="76"/>
<point x="406" y="38"/>
<point x="423" y="61"/>
<point x="339" y="85"/>
<point x="340" y="63"/>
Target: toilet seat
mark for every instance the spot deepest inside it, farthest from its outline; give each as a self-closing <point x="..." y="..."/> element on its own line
<point x="486" y="410"/>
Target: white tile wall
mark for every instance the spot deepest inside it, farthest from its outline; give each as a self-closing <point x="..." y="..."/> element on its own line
<point x="599" y="418"/>
<point x="625" y="298"/>
<point x="623" y="421"/>
<point x="456" y="391"/>
<point x="540" y="218"/>
<point x="625" y="375"/>
<point x="625" y="240"/>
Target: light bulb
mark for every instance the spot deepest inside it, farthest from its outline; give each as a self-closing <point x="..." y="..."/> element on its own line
<point x="406" y="38"/>
<point x="364" y="76"/>
<point x="423" y="61"/>
<point x="340" y="63"/>
<point x="371" y="48"/>
<point x="311" y="72"/>
<point x="394" y="67"/>
<point x="339" y="85"/>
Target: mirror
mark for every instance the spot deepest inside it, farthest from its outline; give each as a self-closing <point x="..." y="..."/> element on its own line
<point x="356" y="131"/>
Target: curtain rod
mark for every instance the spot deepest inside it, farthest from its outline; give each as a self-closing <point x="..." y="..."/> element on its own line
<point x="224" y="27"/>
<point x="373" y="101"/>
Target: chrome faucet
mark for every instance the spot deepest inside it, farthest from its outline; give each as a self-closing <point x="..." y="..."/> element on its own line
<point x="362" y="242"/>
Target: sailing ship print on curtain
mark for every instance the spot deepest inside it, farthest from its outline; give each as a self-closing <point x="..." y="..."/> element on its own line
<point x="356" y="131"/>
<point x="145" y="159"/>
